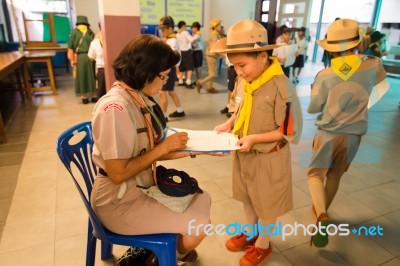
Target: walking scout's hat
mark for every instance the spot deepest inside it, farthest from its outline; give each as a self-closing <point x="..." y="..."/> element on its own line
<point x="215" y="22"/>
<point x="376" y="36"/>
<point x="82" y="20"/>
<point x="342" y="35"/>
<point x="243" y="37"/>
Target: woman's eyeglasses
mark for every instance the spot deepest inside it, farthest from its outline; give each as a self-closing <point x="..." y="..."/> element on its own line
<point x="162" y="77"/>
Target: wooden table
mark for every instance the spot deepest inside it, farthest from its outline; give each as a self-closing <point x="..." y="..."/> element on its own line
<point x="62" y="48"/>
<point x="11" y="63"/>
<point x="40" y="57"/>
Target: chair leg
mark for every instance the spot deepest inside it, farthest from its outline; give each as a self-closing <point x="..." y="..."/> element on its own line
<point x="106" y="250"/>
<point x="91" y="247"/>
<point x="166" y="254"/>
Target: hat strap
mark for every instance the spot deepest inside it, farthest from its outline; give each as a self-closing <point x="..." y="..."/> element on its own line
<point x="246" y="45"/>
<point x="344" y="41"/>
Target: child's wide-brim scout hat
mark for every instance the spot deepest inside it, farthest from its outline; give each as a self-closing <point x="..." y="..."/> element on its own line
<point x="342" y="35"/>
<point x="215" y="22"/>
<point x="243" y="37"/>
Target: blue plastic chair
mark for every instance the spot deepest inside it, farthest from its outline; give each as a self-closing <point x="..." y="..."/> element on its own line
<point x="75" y="146"/>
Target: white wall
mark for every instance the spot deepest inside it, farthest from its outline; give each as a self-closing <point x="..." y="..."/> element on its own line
<point x="88" y="8"/>
<point x="360" y="10"/>
<point x="230" y="11"/>
<point x="390" y="11"/>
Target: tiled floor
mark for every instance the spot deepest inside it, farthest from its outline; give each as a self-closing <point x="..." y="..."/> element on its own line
<point x="43" y="222"/>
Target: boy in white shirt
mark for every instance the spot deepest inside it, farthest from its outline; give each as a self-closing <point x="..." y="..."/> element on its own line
<point x="167" y="29"/>
<point x="185" y="41"/>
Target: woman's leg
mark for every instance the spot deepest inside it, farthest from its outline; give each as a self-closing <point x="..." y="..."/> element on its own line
<point x="187" y="243"/>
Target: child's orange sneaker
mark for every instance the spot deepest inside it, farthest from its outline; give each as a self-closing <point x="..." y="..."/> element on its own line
<point x="254" y="256"/>
<point x="239" y="242"/>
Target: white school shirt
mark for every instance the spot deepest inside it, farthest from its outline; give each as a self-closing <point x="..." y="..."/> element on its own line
<point x="302" y="44"/>
<point x="184" y="40"/>
<point x="96" y="53"/>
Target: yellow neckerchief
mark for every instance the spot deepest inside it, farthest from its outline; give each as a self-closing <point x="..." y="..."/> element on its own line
<point x="346" y="66"/>
<point x="198" y="33"/>
<point x="374" y="43"/>
<point x="101" y="39"/>
<point x="274" y="69"/>
<point x="82" y="28"/>
<point x="216" y="33"/>
<point x="172" y="35"/>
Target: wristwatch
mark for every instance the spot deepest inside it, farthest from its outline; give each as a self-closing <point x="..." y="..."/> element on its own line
<point x="192" y="155"/>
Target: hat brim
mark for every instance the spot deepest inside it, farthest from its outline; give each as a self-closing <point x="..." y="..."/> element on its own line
<point x="340" y="47"/>
<point x="221" y="47"/>
<point x="82" y="23"/>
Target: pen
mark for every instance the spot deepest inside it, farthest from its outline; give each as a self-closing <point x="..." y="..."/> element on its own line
<point x="172" y="129"/>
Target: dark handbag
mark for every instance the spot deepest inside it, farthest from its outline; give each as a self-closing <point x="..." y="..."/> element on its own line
<point x="176" y="183"/>
<point x="138" y="257"/>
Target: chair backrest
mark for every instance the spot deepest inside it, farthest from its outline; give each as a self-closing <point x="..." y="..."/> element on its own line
<point x="74" y="146"/>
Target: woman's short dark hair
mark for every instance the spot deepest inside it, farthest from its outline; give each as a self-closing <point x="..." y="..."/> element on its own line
<point x="142" y="60"/>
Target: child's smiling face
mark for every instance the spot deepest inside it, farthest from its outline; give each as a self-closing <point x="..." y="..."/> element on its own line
<point x="249" y="66"/>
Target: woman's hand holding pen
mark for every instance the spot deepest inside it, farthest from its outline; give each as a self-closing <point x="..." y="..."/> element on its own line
<point x="175" y="142"/>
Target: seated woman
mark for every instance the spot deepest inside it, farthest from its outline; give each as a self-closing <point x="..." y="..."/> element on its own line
<point x="123" y="152"/>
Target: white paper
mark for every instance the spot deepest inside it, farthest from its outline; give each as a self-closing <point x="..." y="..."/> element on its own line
<point x="207" y="141"/>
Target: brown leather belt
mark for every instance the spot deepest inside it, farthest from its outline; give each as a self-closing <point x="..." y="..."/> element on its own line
<point x="278" y="147"/>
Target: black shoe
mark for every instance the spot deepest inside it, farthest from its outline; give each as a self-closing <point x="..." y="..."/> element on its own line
<point x="181" y="84"/>
<point x="189" y="86"/>
<point x="85" y="100"/>
<point x="166" y="119"/>
<point x="177" y="114"/>
<point x="225" y="110"/>
<point x="94" y="100"/>
<point x="229" y="115"/>
<point x="191" y="256"/>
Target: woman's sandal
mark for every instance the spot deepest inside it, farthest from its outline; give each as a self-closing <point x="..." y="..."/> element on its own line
<point x="318" y="239"/>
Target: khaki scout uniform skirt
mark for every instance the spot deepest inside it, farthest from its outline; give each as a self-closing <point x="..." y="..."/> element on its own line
<point x="136" y="213"/>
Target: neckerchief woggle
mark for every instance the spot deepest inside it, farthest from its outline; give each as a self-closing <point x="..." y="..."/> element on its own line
<point x="345" y="66"/>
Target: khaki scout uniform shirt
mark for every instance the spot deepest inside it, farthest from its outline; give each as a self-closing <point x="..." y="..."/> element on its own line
<point x="268" y="113"/>
<point x="343" y="104"/>
<point x="119" y="130"/>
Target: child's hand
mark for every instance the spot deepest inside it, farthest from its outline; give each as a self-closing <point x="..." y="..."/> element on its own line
<point x="246" y="144"/>
<point x="225" y="127"/>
